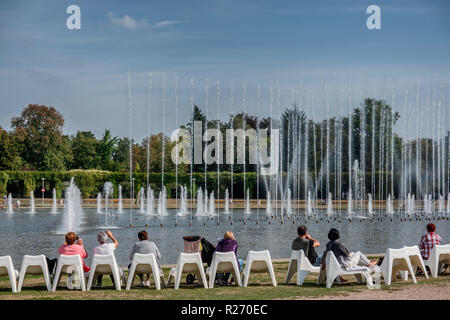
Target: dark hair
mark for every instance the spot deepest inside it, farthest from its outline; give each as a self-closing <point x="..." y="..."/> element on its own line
<point x="143" y="235"/>
<point x="301" y="230"/>
<point x="431" y="227"/>
<point x="333" y="234"/>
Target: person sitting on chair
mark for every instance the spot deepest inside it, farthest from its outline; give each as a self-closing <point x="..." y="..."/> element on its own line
<point x="305" y="242"/>
<point x="227" y="244"/>
<point x="346" y="259"/>
<point x="73" y="246"/>
<point x="144" y="246"/>
<point x="105" y="248"/>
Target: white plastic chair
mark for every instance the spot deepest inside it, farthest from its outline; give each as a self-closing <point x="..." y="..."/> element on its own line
<point x="104" y="264"/>
<point x="145" y="264"/>
<point x="69" y="264"/>
<point x="191" y="263"/>
<point x="334" y="270"/>
<point x="439" y="255"/>
<point x="416" y="260"/>
<point x="394" y="261"/>
<point x="300" y="264"/>
<point x="223" y="262"/>
<point x="34" y="265"/>
<point x="7" y="269"/>
<point x="259" y="262"/>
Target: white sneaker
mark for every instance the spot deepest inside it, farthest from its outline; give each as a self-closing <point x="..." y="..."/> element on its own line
<point x="147" y="283"/>
<point x="143" y="283"/>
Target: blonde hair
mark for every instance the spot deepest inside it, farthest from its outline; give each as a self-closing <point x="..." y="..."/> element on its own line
<point x="229" y="235"/>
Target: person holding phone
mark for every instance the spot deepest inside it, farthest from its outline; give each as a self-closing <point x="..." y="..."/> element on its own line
<point x="72" y="246"/>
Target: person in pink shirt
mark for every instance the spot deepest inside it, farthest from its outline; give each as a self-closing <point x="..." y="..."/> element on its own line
<point x="73" y="246"/>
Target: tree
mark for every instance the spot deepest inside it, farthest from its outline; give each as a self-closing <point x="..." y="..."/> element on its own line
<point x="105" y="150"/>
<point x="39" y="130"/>
<point x="9" y="152"/>
<point x="84" y="147"/>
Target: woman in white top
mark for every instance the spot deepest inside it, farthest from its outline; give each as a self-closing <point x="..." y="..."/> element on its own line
<point x="105" y="248"/>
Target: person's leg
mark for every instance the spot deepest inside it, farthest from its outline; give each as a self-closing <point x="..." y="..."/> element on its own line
<point x="99" y="280"/>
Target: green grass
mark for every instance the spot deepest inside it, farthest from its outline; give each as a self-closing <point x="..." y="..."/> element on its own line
<point x="260" y="287"/>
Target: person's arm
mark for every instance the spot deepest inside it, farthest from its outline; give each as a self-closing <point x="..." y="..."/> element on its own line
<point x="316" y="243"/>
<point x="133" y="248"/>
<point x="80" y="243"/>
<point x="158" y="254"/>
<point x="421" y="245"/>
<point x="111" y="236"/>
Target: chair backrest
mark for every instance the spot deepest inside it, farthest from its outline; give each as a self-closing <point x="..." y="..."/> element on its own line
<point x="412" y="250"/>
<point x="144" y="261"/>
<point x="35" y="264"/>
<point x="443" y="251"/>
<point x="396" y="253"/>
<point x="104" y="262"/>
<point x="224" y="260"/>
<point x="258" y="260"/>
<point x="190" y="261"/>
<point x="5" y="263"/>
<point x="331" y="261"/>
<point x="66" y="261"/>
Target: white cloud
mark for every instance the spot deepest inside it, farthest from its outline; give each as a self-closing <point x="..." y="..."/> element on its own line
<point x="130" y="23"/>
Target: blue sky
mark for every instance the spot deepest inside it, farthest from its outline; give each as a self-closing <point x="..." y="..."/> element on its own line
<point x="289" y="44"/>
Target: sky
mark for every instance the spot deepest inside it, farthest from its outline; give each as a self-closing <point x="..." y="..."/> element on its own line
<point x="217" y="53"/>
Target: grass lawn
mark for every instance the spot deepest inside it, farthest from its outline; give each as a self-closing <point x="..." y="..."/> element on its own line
<point x="260" y="287"/>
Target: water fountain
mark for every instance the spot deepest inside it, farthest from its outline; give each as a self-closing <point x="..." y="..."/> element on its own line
<point x="9" y="203"/>
<point x="227" y="203"/>
<point x="142" y="200"/>
<point x="268" y="205"/>
<point x="330" y="204"/>
<point x="73" y="211"/>
<point x="289" y="202"/>
<point x="54" y="204"/>
<point x="99" y="202"/>
<point x="184" y="204"/>
<point x="150" y="201"/>
<point x="212" y="205"/>
<point x="162" y="203"/>
<point x="120" y="204"/>
<point x="370" y="205"/>
<point x="247" y="203"/>
<point x="32" y="205"/>
<point x="108" y="191"/>
<point x="309" y="207"/>
<point x="390" y="207"/>
<point x="441" y="205"/>
<point x="200" y="203"/>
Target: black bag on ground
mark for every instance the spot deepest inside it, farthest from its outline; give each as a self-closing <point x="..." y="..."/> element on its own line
<point x="51" y="263"/>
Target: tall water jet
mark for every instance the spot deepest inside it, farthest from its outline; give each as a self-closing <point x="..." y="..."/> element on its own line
<point x="268" y="204"/>
<point x="309" y="209"/>
<point x="99" y="202"/>
<point x="441" y="205"/>
<point x="162" y="203"/>
<point x="370" y="205"/>
<point x="289" y="202"/>
<point x="330" y="204"/>
<point x="390" y="207"/>
<point x="227" y="202"/>
<point x="448" y="206"/>
<point x="150" y="201"/>
<point x="54" y="204"/>
<point x="142" y="200"/>
<point x="10" y="206"/>
<point x="212" y="205"/>
<point x="184" y="204"/>
<point x="107" y="192"/>
<point x="73" y="211"/>
<point x="247" y="203"/>
<point x="32" y="205"/>
<point x="120" y="204"/>
<point x="200" y="207"/>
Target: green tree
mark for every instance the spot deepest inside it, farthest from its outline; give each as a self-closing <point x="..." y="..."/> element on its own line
<point x="39" y="130"/>
<point x="84" y="147"/>
<point x="9" y="152"/>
